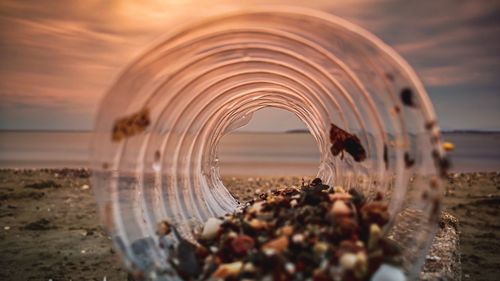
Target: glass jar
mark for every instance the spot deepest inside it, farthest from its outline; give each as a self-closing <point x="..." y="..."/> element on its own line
<point x="158" y="128"/>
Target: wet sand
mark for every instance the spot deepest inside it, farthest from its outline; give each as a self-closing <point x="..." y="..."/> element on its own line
<point x="49" y="227"/>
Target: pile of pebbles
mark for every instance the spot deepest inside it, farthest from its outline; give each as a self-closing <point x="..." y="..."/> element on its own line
<point x="315" y="232"/>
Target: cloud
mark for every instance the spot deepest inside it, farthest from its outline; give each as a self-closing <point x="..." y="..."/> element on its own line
<point x="62" y="56"/>
<point x="448" y="43"/>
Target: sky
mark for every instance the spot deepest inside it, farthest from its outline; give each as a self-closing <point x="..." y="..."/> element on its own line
<point x="58" y="58"/>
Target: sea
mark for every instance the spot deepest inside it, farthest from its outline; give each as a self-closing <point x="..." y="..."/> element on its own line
<point x="239" y="153"/>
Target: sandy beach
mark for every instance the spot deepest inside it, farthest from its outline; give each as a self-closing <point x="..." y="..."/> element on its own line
<point x="49" y="227"/>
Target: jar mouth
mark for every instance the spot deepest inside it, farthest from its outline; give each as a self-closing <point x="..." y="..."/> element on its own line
<point x="158" y="128"/>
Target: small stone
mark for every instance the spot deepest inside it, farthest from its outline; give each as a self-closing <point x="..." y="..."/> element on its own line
<point x="258" y="224"/>
<point x="211" y="228"/>
<point x="290" y="267"/>
<point x="228" y="270"/>
<point x="340" y="196"/>
<point x="85" y="187"/>
<point x="320" y="247"/>
<point x="242" y="244"/>
<point x="279" y="244"/>
<point x="83" y="251"/>
<point x="298" y="238"/>
<point x="7" y="228"/>
<point x="388" y="273"/>
<point x="375" y="212"/>
<point x="269" y="252"/>
<point x="433" y="258"/>
<point x="163" y="228"/>
<point x="256" y="207"/>
<point x="361" y="267"/>
<point x="340" y="208"/>
<point x="375" y="235"/>
<point x="286" y="230"/>
<point x="348" y="261"/>
<point x="294" y="203"/>
<point x="248" y="267"/>
<point x="338" y="189"/>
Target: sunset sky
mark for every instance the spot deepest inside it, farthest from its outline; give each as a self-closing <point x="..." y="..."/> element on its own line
<point x="57" y="58"/>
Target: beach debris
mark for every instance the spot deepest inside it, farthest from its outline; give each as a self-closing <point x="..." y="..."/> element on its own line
<point x="330" y="234"/>
<point x="131" y="125"/>
<point x="343" y="141"/>
<point x="43" y="184"/>
<point x="448" y="146"/>
<point x="407" y="97"/>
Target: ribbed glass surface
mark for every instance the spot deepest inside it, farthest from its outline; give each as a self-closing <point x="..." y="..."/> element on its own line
<point x="158" y="127"/>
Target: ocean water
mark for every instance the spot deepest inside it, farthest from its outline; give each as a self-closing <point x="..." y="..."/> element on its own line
<point x="240" y="154"/>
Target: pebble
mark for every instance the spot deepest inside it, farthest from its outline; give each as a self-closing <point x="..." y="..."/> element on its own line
<point x="320" y="247"/>
<point x="279" y="244"/>
<point x="85" y="187"/>
<point x="290" y="267"/>
<point x="287" y="230"/>
<point x="388" y="273"/>
<point x="6" y="227"/>
<point x="298" y="238"/>
<point x="340" y="208"/>
<point x="211" y="228"/>
<point x="348" y="261"/>
<point x="375" y="235"/>
<point x="433" y="258"/>
<point x="258" y="224"/>
<point x="228" y="270"/>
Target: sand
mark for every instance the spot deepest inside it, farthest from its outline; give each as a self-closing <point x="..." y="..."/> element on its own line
<point x="49" y="227"/>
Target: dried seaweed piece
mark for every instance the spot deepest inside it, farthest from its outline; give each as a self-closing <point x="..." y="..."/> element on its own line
<point x="131" y="125"/>
<point x="343" y="141"/>
<point x="407" y="97"/>
<point x="409" y="161"/>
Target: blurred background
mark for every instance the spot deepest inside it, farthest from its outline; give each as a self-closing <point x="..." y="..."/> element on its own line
<point x="59" y="57"/>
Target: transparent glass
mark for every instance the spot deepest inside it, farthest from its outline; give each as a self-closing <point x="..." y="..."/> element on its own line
<point x="158" y="128"/>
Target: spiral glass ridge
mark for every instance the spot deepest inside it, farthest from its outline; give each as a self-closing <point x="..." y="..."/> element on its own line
<point x="206" y="79"/>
